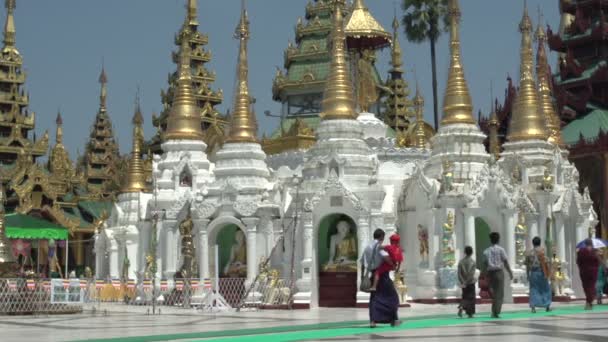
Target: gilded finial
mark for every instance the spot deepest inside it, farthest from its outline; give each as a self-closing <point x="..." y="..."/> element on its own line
<point x="527" y="122"/>
<point x="192" y="13"/>
<point x="419" y="107"/>
<point x="103" y="80"/>
<point x="184" y="121"/>
<point x="59" y="133"/>
<point x="243" y="127"/>
<point x="457" y="104"/>
<point x="136" y="176"/>
<point x="543" y="73"/>
<point x="494" y="125"/>
<point x="9" y="25"/>
<point x="338" y="100"/>
<point x="396" y="53"/>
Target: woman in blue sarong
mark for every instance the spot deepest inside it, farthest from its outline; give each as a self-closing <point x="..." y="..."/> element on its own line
<point x="538" y="271"/>
<point x="384" y="302"/>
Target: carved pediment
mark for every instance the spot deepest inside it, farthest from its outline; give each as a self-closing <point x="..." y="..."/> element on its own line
<point x="333" y="186"/>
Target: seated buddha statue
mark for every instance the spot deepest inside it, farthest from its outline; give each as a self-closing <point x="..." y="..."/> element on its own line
<point x="236" y="267"/>
<point x="342" y="250"/>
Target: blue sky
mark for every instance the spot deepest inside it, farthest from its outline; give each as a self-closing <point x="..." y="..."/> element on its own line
<point x="64" y="41"/>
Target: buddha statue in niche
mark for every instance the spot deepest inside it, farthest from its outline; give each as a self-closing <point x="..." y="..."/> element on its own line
<point x="236" y="267"/>
<point x="342" y="250"/>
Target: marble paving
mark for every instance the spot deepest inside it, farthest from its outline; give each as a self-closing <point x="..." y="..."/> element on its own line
<point x="566" y="323"/>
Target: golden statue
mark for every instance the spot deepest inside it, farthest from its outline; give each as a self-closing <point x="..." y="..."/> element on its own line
<point x="236" y="267"/>
<point x="342" y="250"/>
<point x="187" y="270"/>
<point x="447" y="177"/>
<point x="401" y="287"/>
<point x="423" y="239"/>
<point x="521" y="231"/>
<point x="547" y="181"/>
<point x="448" y="255"/>
<point x="558" y="277"/>
<point x="367" y="92"/>
<point x="148" y="270"/>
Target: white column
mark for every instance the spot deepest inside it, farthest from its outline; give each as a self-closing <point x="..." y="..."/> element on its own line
<point x="114" y="265"/>
<point x="542" y="225"/>
<point x="168" y="248"/>
<point x="533" y="229"/>
<point x="469" y="228"/>
<point x="560" y="233"/>
<point x="251" y="224"/>
<point x="509" y="238"/>
<point x="203" y="249"/>
<point x="363" y="237"/>
<point x="435" y="233"/>
<point x="307" y="244"/>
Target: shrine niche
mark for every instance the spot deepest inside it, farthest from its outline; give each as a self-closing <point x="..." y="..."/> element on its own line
<point x="337" y="259"/>
<point x="185" y="178"/>
<point x="232" y="244"/>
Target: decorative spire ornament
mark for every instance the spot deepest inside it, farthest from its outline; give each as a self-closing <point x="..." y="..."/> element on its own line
<point x="136" y="175"/>
<point x="543" y="73"/>
<point x="338" y="103"/>
<point x="527" y="121"/>
<point x="420" y="134"/>
<point x="494" y="124"/>
<point x="396" y="53"/>
<point x="457" y="105"/>
<point x="243" y="126"/>
<point x="192" y="13"/>
<point x="103" y="80"/>
<point x="9" y="25"/>
<point x="184" y="121"/>
<point x="59" y="132"/>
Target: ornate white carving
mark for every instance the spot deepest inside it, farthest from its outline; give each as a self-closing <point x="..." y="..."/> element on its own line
<point x="335" y="187"/>
<point x="205" y="209"/>
<point x="246" y="207"/>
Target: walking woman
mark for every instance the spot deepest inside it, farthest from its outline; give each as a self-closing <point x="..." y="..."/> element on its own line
<point x="466" y="278"/>
<point x="588" y="264"/>
<point x="538" y="276"/>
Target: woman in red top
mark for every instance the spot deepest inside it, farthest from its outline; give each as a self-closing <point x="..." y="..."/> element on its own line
<point x="588" y="264"/>
<point x="396" y="255"/>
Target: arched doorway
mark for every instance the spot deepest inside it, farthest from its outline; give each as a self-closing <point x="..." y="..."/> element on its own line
<point x="482" y="241"/>
<point x="337" y="261"/>
<point x="231" y="265"/>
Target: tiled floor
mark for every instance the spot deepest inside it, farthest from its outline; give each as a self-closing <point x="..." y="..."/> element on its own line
<point x="113" y="324"/>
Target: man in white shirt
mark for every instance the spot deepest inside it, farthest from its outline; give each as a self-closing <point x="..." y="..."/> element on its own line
<point x="494" y="264"/>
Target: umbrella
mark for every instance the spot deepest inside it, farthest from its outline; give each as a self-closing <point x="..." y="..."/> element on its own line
<point x="597" y="243"/>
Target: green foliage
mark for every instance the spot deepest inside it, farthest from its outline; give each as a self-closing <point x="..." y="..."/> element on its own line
<point x="425" y="19"/>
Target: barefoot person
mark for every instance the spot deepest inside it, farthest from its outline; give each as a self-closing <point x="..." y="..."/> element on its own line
<point x="466" y="278"/>
<point x="396" y="258"/>
<point x="384" y="302"/>
<point x="538" y="275"/>
<point x="495" y="264"/>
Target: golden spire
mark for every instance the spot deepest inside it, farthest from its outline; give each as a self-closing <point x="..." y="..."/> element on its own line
<point x="338" y="100"/>
<point x="420" y="141"/>
<point x="396" y="54"/>
<point x="543" y="73"/>
<point x="243" y="127"/>
<point x="527" y="123"/>
<point x="59" y="134"/>
<point x="494" y="124"/>
<point x="9" y="26"/>
<point x="457" y="105"/>
<point x="192" y="13"/>
<point x="136" y="176"/>
<point x="184" y="121"/>
<point x="103" y="80"/>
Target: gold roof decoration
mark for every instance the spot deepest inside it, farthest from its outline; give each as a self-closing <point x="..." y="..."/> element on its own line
<point x="494" y="142"/>
<point x="9" y="25"/>
<point x="457" y="104"/>
<point x="365" y="29"/>
<point x="299" y="136"/>
<point x="243" y="126"/>
<point x="338" y="102"/>
<point x="136" y="174"/>
<point x="59" y="164"/>
<point x="547" y="105"/>
<point x="527" y="121"/>
<point x="184" y="121"/>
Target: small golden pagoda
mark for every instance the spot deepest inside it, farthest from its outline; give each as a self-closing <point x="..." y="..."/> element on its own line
<point x="136" y="173"/>
<point x="213" y="124"/>
<point x="102" y="162"/>
<point x="547" y="105"/>
<point x="527" y="120"/>
<point x="419" y="133"/>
